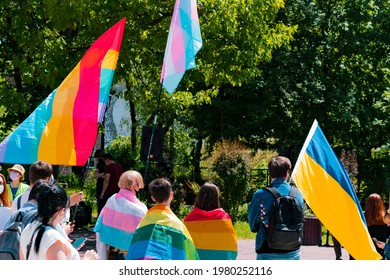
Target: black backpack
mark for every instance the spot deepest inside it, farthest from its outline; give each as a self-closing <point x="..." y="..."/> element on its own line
<point x="285" y="224"/>
<point x="10" y="238"/>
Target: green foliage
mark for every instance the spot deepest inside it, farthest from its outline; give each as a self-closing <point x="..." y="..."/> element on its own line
<point x="72" y="181"/>
<point x="231" y="164"/>
<point x="120" y="149"/>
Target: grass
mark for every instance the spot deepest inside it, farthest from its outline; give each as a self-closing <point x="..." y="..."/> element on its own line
<point x="243" y="231"/>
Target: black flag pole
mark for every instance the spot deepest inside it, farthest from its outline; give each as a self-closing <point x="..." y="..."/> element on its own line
<point x="152" y="136"/>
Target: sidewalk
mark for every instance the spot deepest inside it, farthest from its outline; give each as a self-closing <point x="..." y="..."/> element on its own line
<point x="245" y="248"/>
<point x="246" y="251"/>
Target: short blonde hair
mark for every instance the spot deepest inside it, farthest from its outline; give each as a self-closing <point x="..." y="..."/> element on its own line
<point x="128" y="178"/>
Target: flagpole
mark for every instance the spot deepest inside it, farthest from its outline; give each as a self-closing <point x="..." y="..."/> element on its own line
<point x="151" y="137"/>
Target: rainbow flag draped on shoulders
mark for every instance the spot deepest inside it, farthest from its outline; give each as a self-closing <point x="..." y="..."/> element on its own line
<point x="119" y="219"/>
<point x="161" y="236"/>
<point x="327" y="189"/>
<point x="213" y="234"/>
<point x="63" y="128"/>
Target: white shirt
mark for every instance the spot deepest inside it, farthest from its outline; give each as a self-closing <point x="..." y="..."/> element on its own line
<point x="5" y="215"/>
<point x="49" y="237"/>
<point x="24" y="199"/>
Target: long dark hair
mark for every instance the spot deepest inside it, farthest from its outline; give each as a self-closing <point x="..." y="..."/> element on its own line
<point x="51" y="198"/>
<point x="208" y="197"/>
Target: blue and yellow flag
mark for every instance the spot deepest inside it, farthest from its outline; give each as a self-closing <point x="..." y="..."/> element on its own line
<point x="327" y="189"/>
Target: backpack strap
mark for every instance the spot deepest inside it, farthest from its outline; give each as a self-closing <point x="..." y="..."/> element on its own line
<point x="293" y="191"/>
<point x="30" y="217"/>
<point x="19" y="202"/>
<point x="19" y="217"/>
<point x="275" y="193"/>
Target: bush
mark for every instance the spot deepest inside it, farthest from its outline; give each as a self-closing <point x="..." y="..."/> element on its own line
<point x="231" y="163"/>
<point x="120" y="149"/>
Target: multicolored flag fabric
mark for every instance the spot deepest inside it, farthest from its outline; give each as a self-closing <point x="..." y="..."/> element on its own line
<point x="63" y="128"/>
<point x="184" y="42"/>
<point x="161" y="236"/>
<point x="119" y="218"/>
<point x="213" y="234"/>
<point x="327" y="189"/>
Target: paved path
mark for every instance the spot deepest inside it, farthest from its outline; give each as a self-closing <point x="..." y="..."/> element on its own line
<point x="245" y="248"/>
<point x="246" y="252"/>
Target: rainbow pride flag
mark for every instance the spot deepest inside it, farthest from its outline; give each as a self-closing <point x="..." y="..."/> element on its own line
<point x="184" y="42"/>
<point x="161" y="236"/>
<point x="63" y="128"/>
<point x="327" y="189"/>
<point x="213" y="234"/>
<point x="119" y="218"/>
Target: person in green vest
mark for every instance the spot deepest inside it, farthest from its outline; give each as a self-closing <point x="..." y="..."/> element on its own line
<point x="16" y="187"/>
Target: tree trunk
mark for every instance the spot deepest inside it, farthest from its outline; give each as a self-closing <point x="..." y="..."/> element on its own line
<point x="197" y="155"/>
<point x="134" y="125"/>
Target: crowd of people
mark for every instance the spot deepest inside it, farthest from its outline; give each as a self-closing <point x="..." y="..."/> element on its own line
<point x="127" y="230"/>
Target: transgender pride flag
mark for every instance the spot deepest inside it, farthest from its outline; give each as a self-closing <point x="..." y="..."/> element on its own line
<point x="119" y="218"/>
<point x="184" y="41"/>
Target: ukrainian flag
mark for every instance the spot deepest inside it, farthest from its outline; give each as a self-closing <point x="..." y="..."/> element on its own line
<point x="327" y="189"/>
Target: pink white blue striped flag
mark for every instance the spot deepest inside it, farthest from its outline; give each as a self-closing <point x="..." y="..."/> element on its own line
<point x="184" y="42"/>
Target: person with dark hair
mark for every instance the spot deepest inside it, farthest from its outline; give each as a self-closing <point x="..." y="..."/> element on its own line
<point x="40" y="240"/>
<point x="160" y="234"/>
<point x="211" y="227"/>
<point x="279" y="169"/>
<point x="38" y="170"/>
<point x="112" y="173"/>
<point x="99" y="175"/>
<point x="29" y="210"/>
<point x="43" y="170"/>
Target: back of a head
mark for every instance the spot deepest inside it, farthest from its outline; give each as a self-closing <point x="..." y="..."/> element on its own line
<point x="98" y="153"/>
<point x="208" y="197"/>
<point x="107" y="156"/>
<point x="128" y="178"/>
<point x="278" y="167"/>
<point x="40" y="170"/>
<point x="37" y="188"/>
<point x="160" y="189"/>
<point x="375" y="210"/>
<point x="51" y="198"/>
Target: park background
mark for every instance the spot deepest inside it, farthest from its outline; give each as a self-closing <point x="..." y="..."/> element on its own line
<point x="266" y="70"/>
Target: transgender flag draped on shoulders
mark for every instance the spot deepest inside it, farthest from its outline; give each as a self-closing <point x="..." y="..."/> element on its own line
<point x="119" y="218"/>
<point x="213" y="234"/>
<point x="327" y="189"/>
<point x="161" y="236"/>
<point x="63" y="128"/>
<point x="184" y="42"/>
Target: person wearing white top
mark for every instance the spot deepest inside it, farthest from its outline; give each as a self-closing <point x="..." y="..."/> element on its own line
<point x="41" y="240"/>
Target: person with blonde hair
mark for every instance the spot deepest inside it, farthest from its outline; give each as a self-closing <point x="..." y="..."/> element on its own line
<point x="120" y="217"/>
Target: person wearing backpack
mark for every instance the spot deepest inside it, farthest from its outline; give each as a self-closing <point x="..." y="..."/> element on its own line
<point x="9" y="240"/>
<point x="279" y="231"/>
